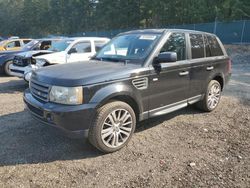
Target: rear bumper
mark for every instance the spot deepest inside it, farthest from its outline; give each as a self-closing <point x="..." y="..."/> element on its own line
<point x="74" y="121"/>
<point x="227" y="78"/>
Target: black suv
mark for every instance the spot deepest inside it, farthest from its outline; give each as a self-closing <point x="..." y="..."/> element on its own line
<point x="137" y="75"/>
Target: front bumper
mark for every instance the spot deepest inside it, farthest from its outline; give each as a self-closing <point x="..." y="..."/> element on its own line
<point x="74" y="121"/>
<point x="19" y="71"/>
<point x="22" y="72"/>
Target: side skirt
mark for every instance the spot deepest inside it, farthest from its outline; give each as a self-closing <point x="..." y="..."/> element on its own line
<point x="170" y="108"/>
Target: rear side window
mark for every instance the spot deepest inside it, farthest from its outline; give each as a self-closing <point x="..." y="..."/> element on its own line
<point x="207" y="47"/>
<point x="197" y="46"/>
<point x="99" y="45"/>
<point x="215" y="48"/>
<point x="26" y="41"/>
<point x="176" y="43"/>
<point x="13" y="44"/>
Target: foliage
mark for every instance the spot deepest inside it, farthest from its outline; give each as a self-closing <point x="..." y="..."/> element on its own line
<point x="44" y="17"/>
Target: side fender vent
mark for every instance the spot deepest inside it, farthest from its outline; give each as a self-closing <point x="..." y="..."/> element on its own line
<point x="140" y="83"/>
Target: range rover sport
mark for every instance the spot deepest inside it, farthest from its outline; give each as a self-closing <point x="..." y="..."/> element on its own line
<point x="137" y="75"/>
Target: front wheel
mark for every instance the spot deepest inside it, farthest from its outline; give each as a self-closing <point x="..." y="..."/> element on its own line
<point x="211" y="98"/>
<point x="7" y="67"/>
<point x="113" y="126"/>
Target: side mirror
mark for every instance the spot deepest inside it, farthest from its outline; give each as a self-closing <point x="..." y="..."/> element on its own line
<point x="72" y="51"/>
<point x="165" y="57"/>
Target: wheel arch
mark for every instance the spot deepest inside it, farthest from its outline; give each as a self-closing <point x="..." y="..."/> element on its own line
<point x="114" y="93"/>
<point x="130" y="101"/>
<point x="220" y="79"/>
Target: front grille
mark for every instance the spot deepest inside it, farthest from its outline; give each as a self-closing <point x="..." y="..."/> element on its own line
<point x="35" y="110"/>
<point x="17" y="71"/>
<point x="40" y="90"/>
<point x="20" y="61"/>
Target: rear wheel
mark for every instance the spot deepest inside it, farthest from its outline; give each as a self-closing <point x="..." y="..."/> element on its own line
<point x="113" y="126"/>
<point x="211" y="98"/>
<point x="7" y="67"/>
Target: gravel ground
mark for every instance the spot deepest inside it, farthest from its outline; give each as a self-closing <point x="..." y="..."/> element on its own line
<point x="186" y="148"/>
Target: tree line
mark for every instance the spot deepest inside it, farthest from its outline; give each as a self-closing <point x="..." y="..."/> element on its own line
<point x="63" y="17"/>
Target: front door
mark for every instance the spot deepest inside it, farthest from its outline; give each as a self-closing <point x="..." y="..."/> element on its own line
<point x="169" y="86"/>
<point x="82" y="51"/>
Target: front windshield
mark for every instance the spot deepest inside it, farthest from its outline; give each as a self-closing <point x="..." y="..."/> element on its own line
<point x="60" y="45"/>
<point x="128" y="48"/>
<point x="29" y="45"/>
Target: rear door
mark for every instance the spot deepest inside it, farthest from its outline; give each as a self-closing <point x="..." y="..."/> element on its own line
<point x="205" y="58"/>
<point x="199" y="64"/>
<point x="169" y="86"/>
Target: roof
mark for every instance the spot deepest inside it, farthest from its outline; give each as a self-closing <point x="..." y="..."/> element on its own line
<point x="161" y="31"/>
<point x="89" y="38"/>
<point x="17" y="39"/>
<point x="146" y="31"/>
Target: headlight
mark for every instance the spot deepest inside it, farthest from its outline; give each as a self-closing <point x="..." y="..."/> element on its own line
<point x="66" y="95"/>
<point x="40" y="62"/>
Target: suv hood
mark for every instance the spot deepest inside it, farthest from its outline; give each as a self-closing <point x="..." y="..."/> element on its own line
<point x="33" y="53"/>
<point x="54" y="58"/>
<point x="84" y="73"/>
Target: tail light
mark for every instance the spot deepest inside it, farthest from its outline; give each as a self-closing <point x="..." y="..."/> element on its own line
<point x="229" y="66"/>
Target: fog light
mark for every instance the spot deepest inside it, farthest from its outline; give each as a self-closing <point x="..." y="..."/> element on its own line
<point x="49" y="117"/>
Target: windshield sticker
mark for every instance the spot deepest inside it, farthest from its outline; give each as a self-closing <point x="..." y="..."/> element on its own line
<point x="147" y="37"/>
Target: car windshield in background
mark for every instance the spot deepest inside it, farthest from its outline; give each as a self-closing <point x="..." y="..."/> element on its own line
<point x="30" y="45"/>
<point x="60" y="45"/>
<point x="127" y="48"/>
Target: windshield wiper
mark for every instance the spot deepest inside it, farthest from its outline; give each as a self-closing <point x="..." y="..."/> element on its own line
<point x="113" y="59"/>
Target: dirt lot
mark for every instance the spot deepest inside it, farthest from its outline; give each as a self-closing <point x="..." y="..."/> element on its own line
<point x="187" y="148"/>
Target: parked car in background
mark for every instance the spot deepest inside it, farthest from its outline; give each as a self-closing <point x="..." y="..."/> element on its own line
<point x="23" y="62"/>
<point x="68" y="50"/>
<point x="6" y="57"/>
<point x="13" y="44"/>
<point x="138" y="75"/>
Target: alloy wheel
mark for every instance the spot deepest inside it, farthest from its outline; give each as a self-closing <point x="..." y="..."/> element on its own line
<point x="214" y="96"/>
<point x="116" y="128"/>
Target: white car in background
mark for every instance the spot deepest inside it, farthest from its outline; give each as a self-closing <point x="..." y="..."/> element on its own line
<point x="70" y="50"/>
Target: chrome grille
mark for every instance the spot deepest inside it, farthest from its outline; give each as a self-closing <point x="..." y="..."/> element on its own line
<point x="40" y="90"/>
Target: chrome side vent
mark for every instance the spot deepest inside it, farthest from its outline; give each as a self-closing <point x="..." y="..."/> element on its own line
<point x="140" y="83"/>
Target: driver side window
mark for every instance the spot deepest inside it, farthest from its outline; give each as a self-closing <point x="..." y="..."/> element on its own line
<point x="176" y="43"/>
<point x="82" y="47"/>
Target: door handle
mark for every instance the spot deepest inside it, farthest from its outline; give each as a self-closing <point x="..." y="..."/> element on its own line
<point x="210" y="68"/>
<point x="184" y="73"/>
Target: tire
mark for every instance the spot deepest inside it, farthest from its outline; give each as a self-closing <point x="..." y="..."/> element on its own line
<point x="211" y="98"/>
<point x="6" y="67"/>
<point x="108" y="136"/>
